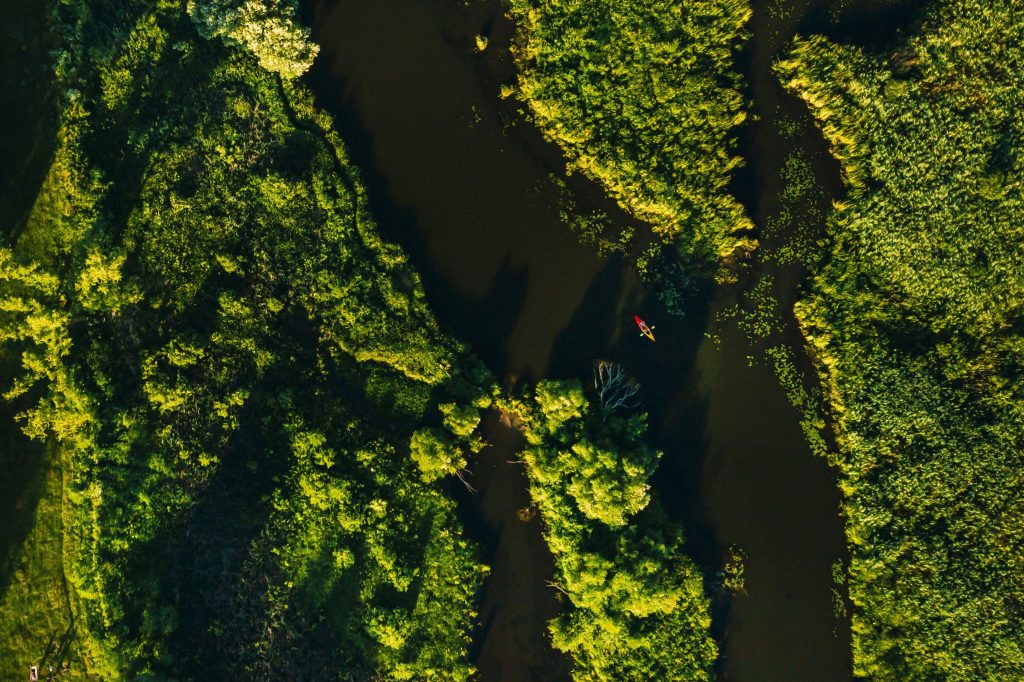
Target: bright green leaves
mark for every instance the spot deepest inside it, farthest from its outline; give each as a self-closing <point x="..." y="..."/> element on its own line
<point x="438" y="453"/>
<point x="377" y="558"/>
<point x="610" y="485"/>
<point x="637" y="606"/>
<point x="916" y="321"/>
<point x="267" y="28"/>
<point x="36" y="325"/>
<point x="643" y="97"/>
<point x="605" y="469"/>
<point x="640" y="615"/>
<point x="559" y="402"/>
<point x="100" y="287"/>
<point x="460" y="420"/>
<point x="435" y="454"/>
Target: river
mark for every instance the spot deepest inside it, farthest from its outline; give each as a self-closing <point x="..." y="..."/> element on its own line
<point x="466" y="186"/>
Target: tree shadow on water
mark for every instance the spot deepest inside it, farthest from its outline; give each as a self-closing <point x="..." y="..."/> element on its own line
<point x="487" y="322"/>
<point x="677" y="413"/>
<point x="875" y="25"/>
<point x="510" y="642"/>
<point x="603" y="328"/>
<point x="596" y="325"/>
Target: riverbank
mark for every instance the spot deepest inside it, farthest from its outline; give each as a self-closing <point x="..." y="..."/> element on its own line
<point x="479" y="211"/>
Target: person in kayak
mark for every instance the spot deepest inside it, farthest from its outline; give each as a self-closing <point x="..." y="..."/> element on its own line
<point x="644" y="329"/>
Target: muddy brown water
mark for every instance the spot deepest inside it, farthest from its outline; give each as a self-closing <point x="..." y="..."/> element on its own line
<point x="465" y="185"/>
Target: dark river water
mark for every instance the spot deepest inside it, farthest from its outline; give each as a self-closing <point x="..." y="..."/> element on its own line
<point x="28" y="118"/>
<point x="466" y="185"/>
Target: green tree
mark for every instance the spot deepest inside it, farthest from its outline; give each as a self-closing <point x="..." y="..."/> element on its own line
<point x="434" y="454"/>
<point x="637" y="608"/>
<point x="267" y="28"/>
<point x="610" y="485"/>
<point x="460" y="420"/>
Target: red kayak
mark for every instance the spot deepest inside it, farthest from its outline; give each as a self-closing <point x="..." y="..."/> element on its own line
<point x="644" y="329"/>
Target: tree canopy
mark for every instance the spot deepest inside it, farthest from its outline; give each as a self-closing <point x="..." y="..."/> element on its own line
<point x="267" y="28"/>
<point x="230" y="364"/>
<point x="643" y="97"/>
<point x="637" y="608"/>
<point x="916" y="321"/>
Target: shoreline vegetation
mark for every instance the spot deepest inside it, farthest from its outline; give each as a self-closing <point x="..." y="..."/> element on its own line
<point x="231" y="417"/>
<point x="643" y="97"/>
<point x="246" y="398"/>
<point x="915" y="322"/>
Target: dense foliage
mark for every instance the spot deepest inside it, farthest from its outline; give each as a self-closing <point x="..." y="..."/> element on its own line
<point x="918" y="322"/>
<point x="637" y="609"/>
<point x="264" y="27"/>
<point x="643" y="97"/>
<point x="231" y="365"/>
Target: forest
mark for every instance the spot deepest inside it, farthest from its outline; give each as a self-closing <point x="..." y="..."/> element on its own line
<point x="187" y="320"/>
<point x="241" y="440"/>
<point x="915" y="320"/>
<point x="245" y="407"/>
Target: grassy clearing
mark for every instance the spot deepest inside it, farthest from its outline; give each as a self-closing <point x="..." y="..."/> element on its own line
<point x="36" y="623"/>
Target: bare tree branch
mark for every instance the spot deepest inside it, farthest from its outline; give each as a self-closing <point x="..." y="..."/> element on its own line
<point x="614" y="387"/>
<point x="462" y="477"/>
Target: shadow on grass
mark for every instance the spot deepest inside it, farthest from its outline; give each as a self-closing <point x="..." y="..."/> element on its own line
<point x="21" y="487"/>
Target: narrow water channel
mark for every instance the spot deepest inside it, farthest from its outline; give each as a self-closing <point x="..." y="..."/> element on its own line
<point x="466" y="186"/>
<point x="454" y="184"/>
<point x="765" y="491"/>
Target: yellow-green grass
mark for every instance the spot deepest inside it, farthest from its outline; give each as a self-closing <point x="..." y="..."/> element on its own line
<point x="36" y="625"/>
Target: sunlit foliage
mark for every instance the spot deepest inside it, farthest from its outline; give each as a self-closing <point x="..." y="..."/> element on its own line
<point x="643" y="96"/>
<point x="264" y="27"/>
<point x="917" y="323"/>
<point x="230" y="364"/>
<point x="637" y="609"/>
